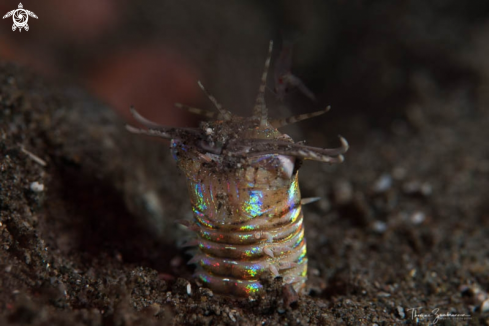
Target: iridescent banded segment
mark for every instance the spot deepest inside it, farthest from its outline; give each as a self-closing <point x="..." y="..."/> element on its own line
<point x="246" y="228"/>
<point x="256" y="249"/>
<point x="249" y="233"/>
<point x="232" y="286"/>
<point x="243" y="198"/>
<point x="249" y="268"/>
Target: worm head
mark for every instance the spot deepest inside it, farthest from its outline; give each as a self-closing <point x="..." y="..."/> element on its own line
<point x="232" y="143"/>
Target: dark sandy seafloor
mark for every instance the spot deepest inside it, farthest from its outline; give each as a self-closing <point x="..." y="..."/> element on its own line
<point x="90" y="239"/>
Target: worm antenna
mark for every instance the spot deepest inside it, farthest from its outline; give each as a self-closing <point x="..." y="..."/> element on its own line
<point x="278" y="123"/>
<point x="150" y="132"/>
<point x="306" y="154"/>
<point x="298" y="152"/>
<point x="329" y="151"/>
<point x="155" y="129"/>
<point x="344" y="144"/>
<point x="163" y="132"/>
<point x="300" y="85"/>
<point x="147" y="123"/>
<point x="325" y="151"/>
<point x="226" y="115"/>
<point x="205" y="113"/>
<point x="264" y="147"/>
<point x="260" y="110"/>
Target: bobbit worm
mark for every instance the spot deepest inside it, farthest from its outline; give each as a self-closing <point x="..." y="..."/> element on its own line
<point x="242" y="178"/>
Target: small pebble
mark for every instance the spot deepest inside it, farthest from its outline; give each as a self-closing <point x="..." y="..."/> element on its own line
<point x="399" y="173"/>
<point x="37" y="187"/>
<point x="383" y="294"/>
<point x="343" y="192"/>
<point x="206" y="292"/>
<point x="416" y="187"/>
<point x="324" y="204"/>
<point x="412" y="272"/>
<point x="485" y="306"/>
<point x="383" y="183"/>
<point x="417" y="218"/>
<point x="314" y="271"/>
<point x="400" y="311"/>
<point x="426" y="189"/>
<point x="411" y="187"/>
<point x="176" y="261"/>
<point x="379" y="226"/>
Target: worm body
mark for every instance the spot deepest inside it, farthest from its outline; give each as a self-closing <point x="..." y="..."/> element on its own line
<point x="242" y="178"/>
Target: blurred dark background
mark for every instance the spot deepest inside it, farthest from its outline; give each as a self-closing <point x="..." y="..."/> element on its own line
<point x="373" y="61"/>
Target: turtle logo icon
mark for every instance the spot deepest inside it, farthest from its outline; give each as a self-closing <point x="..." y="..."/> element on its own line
<point x="21" y="16"/>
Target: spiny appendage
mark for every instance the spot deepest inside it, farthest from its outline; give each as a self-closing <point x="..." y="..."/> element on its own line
<point x="246" y="147"/>
<point x="232" y="261"/>
<point x="278" y="123"/>
<point x="250" y="147"/>
<point x="157" y="130"/>
<point x="202" y="112"/>
<point x="258" y="147"/>
<point x="226" y="115"/>
<point x="260" y="110"/>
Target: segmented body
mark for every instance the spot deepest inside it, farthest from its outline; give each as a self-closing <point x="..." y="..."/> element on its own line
<point x="242" y="177"/>
<point x="248" y="220"/>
